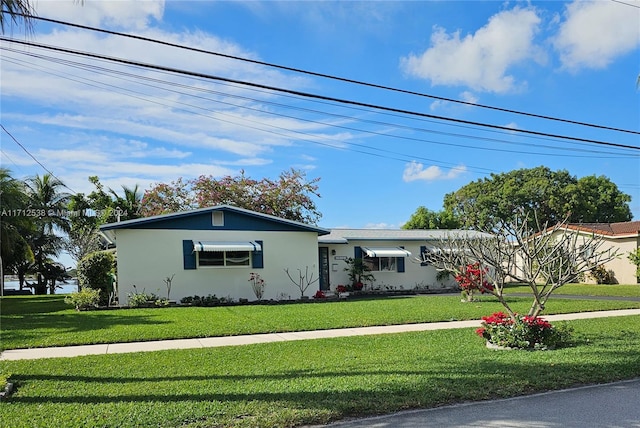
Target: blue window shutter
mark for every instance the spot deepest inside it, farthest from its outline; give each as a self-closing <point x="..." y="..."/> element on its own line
<point x="357" y="252"/>
<point x="188" y="255"/>
<point x="423" y="249"/>
<point x="400" y="263"/>
<point x="257" y="257"/>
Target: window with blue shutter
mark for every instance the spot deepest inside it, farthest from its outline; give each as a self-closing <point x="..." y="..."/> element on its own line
<point x="357" y="252"/>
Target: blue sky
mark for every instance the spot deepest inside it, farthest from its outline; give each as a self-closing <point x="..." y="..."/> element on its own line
<point x="128" y="125"/>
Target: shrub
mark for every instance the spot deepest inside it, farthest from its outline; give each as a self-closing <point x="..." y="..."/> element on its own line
<point x="210" y="300"/>
<point x="319" y="295"/>
<point x="95" y="271"/>
<point x="524" y="332"/>
<point x="142" y="299"/>
<point x="601" y="275"/>
<point x="85" y="299"/>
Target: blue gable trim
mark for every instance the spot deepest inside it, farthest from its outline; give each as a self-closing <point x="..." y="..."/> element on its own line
<point x="234" y="219"/>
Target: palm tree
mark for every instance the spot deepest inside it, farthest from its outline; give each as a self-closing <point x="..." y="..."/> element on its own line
<point x="13" y="201"/>
<point x="14" y="11"/>
<point x="49" y="206"/>
<point x="129" y="206"/>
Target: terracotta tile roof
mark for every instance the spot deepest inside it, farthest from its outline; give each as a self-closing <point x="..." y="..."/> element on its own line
<point x="611" y="229"/>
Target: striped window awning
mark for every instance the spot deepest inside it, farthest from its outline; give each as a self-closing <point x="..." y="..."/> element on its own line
<point x="226" y="246"/>
<point x="386" y="252"/>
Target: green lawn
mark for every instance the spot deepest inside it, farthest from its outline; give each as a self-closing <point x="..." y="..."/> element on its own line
<point x="620" y="290"/>
<point x="298" y="383"/>
<point x="41" y="321"/>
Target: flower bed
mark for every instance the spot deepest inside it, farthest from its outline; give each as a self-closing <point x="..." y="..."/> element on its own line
<point x="522" y="332"/>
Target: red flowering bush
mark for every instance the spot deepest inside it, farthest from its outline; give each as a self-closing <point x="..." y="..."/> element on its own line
<point x="472" y="279"/>
<point x="523" y="332"/>
<point x="319" y="295"/>
<point x="341" y="289"/>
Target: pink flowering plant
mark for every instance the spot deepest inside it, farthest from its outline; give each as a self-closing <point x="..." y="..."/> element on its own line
<point x="522" y="332"/>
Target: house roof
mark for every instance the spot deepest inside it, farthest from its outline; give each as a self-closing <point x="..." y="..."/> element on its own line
<point x="343" y="236"/>
<point x="159" y="220"/>
<point x="609" y="229"/>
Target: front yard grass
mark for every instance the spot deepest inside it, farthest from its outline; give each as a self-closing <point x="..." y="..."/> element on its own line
<point x="42" y="321"/>
<point x="292" y="384"/>
<point x="618" y="290"/>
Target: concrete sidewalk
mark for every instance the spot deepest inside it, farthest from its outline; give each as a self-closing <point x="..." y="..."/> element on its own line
<point x="212" y="342"/>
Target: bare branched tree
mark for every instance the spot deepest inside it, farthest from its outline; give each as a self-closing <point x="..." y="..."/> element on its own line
<point x="542" y="257"/>
<point x="303" y="281"/>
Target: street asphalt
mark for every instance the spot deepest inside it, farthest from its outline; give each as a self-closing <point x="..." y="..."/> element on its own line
<point x="613" y="405"/>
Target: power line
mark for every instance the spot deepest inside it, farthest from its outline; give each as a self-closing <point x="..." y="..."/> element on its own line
<point x="310" y="95"/>
<point x="626" y="4"/>
<point x="35" y="159"/>
<point x="337" y="78"/>
<point x="120" y="74"/>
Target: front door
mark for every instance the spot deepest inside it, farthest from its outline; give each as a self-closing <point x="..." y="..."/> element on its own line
<point x="323" y="254"/>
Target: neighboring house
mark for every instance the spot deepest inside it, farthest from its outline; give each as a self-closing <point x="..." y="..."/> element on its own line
<point x="392" y="255"/>
<point x="213" y="251"/>
<point x="622" y="237"/>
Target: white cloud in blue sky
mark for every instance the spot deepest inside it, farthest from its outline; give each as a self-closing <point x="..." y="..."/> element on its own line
<point x="480" y="61"/>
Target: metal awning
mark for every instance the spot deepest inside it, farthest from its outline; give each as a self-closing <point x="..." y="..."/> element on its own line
<point x="386" y="252"/>
<point x="226" y="246"/>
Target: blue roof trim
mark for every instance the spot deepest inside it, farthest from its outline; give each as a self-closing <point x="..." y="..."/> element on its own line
<point x="200" y="219"/>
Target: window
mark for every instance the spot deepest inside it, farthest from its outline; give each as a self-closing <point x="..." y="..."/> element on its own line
<point x="381" y="264"/>
<point x="224" y="258"/>
<point x="217" y="218"/>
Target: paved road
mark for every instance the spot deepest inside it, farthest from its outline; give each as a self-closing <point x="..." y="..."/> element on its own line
<point x="614" y="405"/>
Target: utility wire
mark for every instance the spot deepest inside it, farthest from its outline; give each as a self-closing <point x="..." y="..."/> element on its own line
<point x="35" y="159"/>
<point x="328" y="76"/>
<point x="308" y="95"/>
<point x="106" y="71"/>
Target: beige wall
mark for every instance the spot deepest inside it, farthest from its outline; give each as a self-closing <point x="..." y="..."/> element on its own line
<point x="624" y="271"/>
<point x="146" y="257"/>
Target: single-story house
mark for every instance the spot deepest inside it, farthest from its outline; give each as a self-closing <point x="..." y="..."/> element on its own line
<point x="216" y="250"/>
<point x="623" y="237"/>
<point x="392" y="255"/>
<point x="213" y="251"/>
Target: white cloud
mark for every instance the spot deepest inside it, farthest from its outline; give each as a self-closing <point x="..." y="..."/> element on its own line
<point x="594" y="33"/>
<point x="481" y="60"/>
<point x="130" y="14"/>
<point x="416" y="171"/>
<point x="380" y="226"/>
<point x="466" y="96"/>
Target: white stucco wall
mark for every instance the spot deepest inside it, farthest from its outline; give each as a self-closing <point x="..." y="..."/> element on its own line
<point x="146" y="257"/>
<point x="414" y="276"/>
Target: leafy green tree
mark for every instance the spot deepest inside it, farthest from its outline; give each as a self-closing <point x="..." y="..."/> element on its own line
<point x="96" y="271"/>
<point x="553" y="195"/>
<point x="165" y="198"/>
<point x="424" y="218"/>
<point x="598" y="200"/>
<point x="291" y="196"/>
